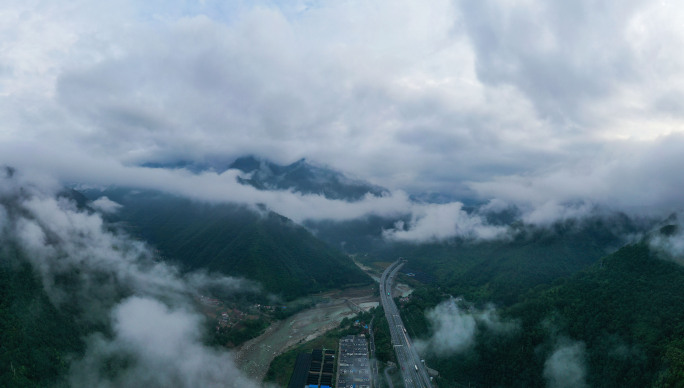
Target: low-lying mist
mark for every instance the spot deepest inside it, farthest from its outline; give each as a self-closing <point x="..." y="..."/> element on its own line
<point x="145" y="329"/>
<point x="454" y="327"/>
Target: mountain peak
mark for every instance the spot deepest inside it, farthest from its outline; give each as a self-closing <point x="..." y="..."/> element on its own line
<point x="303" y="177"/>
<point x="299" y="162"/>
<point x="246" y="164"/>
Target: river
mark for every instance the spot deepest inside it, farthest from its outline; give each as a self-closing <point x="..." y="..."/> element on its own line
<point x="256" y="355"/>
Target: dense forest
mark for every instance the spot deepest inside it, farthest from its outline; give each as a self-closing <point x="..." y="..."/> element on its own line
<point x="259" y="245"/>
<point x="622" y="315"/>
<point x="615" y="318"/>
<point x="36" y="339"/>
<point x="497" y="271"/>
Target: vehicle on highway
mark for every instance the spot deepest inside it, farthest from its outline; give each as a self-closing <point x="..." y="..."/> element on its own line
<point x="403" y="347"/>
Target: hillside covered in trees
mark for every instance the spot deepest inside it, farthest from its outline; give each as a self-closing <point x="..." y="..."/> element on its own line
<point x="37" y="340"/>
<point x="282" y="256"/>
<point x="619" y="323"/>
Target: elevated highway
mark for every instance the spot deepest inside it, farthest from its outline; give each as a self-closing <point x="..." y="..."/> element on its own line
<point x="413" y="371"/>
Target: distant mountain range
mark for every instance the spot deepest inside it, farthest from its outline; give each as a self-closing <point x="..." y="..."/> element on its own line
<point x="301" y="177"/>
<point x="305" y="178"/>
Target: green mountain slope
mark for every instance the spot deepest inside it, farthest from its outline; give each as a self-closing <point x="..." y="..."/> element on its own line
<point x="36" y="339"/>
<point x="283" y="256"/>
<point x="502" y="270"/>
<point x="626" y="310"/>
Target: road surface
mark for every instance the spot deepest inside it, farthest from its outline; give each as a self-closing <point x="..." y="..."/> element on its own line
<point x="413" y="371"/>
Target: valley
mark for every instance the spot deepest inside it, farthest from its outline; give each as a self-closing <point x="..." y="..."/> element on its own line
<point x="341" y="194"/>
<point x="260" y="288"/>
<point x="254" y="356"/>
<point x="413" y="371"/>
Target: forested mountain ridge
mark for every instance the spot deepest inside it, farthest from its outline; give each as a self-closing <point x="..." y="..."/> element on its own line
<point x="499" y="270"/>
<point x="259" y="245"/>
<point x="300" y="176"/>
<point x="36" y="339"/>
<point x="621" y="317"/>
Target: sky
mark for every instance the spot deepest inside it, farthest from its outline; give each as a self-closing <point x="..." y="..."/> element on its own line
<point x="556" y="107"/>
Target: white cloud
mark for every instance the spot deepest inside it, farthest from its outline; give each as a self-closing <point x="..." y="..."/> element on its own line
<point x="163" y="348"/>
<point x="670" y="243"/>
<point x="551" y="211"/>
<point x="440" y="222"/>
<point x="507" y="96"/>
<point x="635" y="177"/>
<point x="429" y="222"/>
<point x="565" y="367"/>
<point x="266" y="81"/>
<point x="111" y="280"/>
<point x="454" y="328"/>
<point x="106" y="205"/>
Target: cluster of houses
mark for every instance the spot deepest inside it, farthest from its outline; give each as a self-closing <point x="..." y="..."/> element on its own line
<point x="230" y="317"/>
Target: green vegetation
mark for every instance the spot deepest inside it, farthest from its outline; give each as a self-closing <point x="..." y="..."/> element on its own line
<point x="36" y="339"/>
<point x="282" y="256"/>
<point x="237" y="334"/>
<point x="625" y="309"/>
<point x="294" y="306"/>
<point x="413" y="312"/>
<point x="502" y="271"/>
<point x="384" y="351"/>
<point x="281" y="368"/>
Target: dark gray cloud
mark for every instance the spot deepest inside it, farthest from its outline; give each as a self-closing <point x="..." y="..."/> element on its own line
<point x="640" y="178"/>
<point x="196" y="87"/>
<point x="537" y="103"/>
<point x="562" y="55"/>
